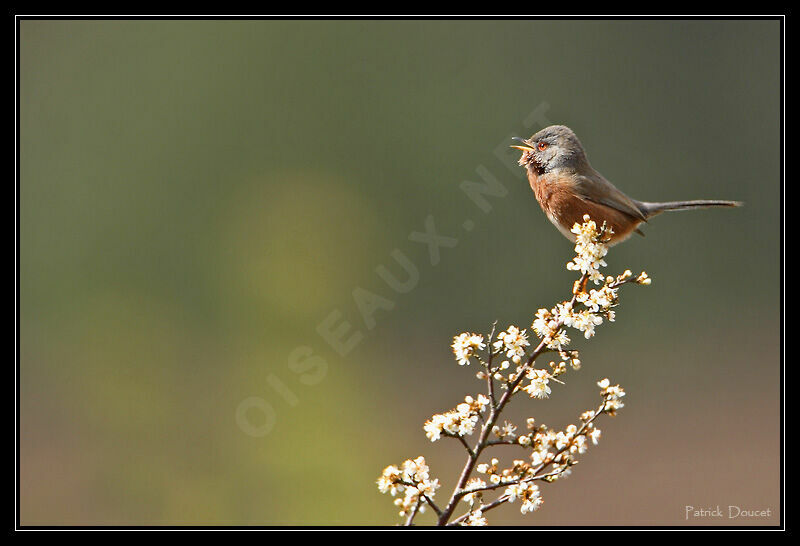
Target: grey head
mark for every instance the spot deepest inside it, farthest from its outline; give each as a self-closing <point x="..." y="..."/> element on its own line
<point x="553" y="148"/>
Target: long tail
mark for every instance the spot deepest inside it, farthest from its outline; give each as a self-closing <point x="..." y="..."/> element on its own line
<point x="651" y="209"/>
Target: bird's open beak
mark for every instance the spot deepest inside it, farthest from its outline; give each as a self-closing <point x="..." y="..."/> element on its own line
<point x="526" y="145"/>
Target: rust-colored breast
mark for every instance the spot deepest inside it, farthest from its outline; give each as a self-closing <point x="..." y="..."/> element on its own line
<point x="564" y="208"/>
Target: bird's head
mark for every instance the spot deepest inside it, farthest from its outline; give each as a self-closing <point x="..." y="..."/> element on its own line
<point x="554" y="147"/>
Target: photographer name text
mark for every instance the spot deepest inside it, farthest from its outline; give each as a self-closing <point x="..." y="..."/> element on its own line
<point x="731" y="512"/>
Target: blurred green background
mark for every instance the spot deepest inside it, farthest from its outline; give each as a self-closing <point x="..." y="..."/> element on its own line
<point x="198" y="196"/>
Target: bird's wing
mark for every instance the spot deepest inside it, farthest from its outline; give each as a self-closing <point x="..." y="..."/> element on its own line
<point x="599" y="190"/>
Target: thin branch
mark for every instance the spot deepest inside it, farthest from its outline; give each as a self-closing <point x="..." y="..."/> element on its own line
<point x="466" y="446"/>
<point x="489" y="372"/>
<point x="483" y="508"/>
<point x="432" y="504"/>
<point x="410" y="518"/>
<point x="503" y="443"/>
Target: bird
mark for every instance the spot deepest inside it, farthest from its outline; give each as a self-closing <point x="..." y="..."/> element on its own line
<point x="568" y="188"/>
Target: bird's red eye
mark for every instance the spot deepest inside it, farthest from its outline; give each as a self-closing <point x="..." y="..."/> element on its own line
<point x="542" y="146"/>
